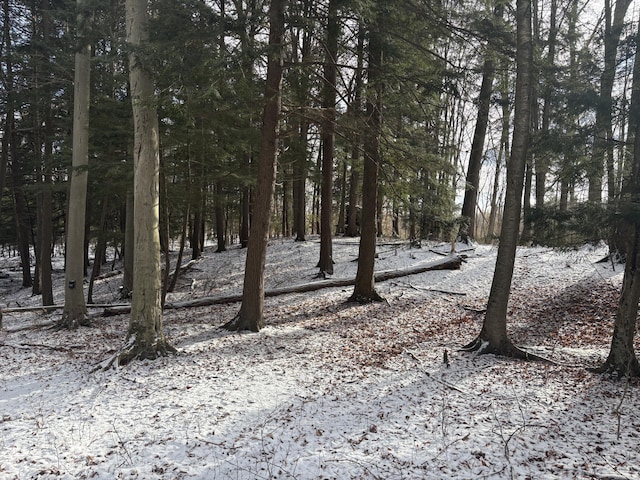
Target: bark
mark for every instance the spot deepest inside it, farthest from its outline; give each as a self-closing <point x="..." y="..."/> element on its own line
<point x="325" y="263"/>
<point x="470" y="201"/>
<point x="622" y="359"/>
<point x="364" y="289"/>
<point x="75" y="310"/>
<point x="353" y="229"/>
<point x="145" y="336"/>
<point x="127" y="282"/>
<point x="101" y="248"/>
<point x="251" y="315"/>
<point x="183" y="238"/>
<point x="493" y="336"/>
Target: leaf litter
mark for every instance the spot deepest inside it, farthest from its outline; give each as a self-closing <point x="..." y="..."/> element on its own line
<point x="328" y="390"/>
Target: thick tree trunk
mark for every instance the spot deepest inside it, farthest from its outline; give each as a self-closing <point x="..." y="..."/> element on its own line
<point x="145" y="337"/>
<point x="493" y="336"/>
<point x="75" y="309"/>
<point x="251" y="316"/>
<point x="364" y="289"/>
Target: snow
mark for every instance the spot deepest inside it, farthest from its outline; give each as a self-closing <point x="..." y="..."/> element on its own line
<point x="328" y="390"/>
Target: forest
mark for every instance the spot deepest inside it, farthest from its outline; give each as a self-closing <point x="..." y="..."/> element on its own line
<point x="175" y="164"/>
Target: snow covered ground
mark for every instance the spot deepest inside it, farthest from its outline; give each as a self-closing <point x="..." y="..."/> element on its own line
<point x="329" y="390"/>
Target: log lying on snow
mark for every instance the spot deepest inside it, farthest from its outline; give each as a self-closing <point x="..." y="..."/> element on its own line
<point x="452" y="262"/>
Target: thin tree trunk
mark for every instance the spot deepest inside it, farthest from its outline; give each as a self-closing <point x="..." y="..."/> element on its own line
<point x="251" y="314"/>
<point x="493" y="336"/>
<point x="470" y="201"/>
<point x="364" y="289"/>
<point x="325" y="263"/>
<point x="101" y="248"/>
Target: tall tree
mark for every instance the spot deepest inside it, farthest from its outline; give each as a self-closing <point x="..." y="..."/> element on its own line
<point x="328" y="136"/>
<point x="251" y="314"/>
<point x="75" y="309"/>
<point x="145" y="337"/>
<point x="622" y="359"/>
<point x="470" y="200"/>
<point x="603" y="140"/>
<point x="364" y="289"/>
<point x="493" y="337"/>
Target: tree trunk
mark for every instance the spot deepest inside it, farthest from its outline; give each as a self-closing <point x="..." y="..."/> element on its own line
<point x="493" y="336"/>
<point x="622" y="359"/>
<point x="343" y="200"/>
<point x="251" y="315"/>
<point x="353" y="227"/>
<point x="470" y="201"/>
<point x="325" y="264"/>
<point x="101" y="248"/>
<point x="220" y="218"/>
<point x="75" y="309"/>
<point x="603" y="143"/>
<point x="364" y="289"/>
<point x="145" y="337"/>
<point x="127" y="282"/>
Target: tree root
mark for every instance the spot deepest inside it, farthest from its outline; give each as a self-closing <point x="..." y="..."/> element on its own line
<point x="240" y="324"/>
<point x="135" y="351"/>
<point x="364" y="299"/>
<point x="630" y="370"/>
<point x="505" y="349"/>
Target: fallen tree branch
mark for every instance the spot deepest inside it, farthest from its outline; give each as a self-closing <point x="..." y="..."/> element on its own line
<point x="450" y="263"/>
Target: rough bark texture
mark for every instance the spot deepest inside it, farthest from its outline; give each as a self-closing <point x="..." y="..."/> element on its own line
<point x="493" y="336"/>
<point x="145" y="338"/>
<point x="364" y="290"/>
<point x="250" y="316"/>
<point x="75" y="309"/>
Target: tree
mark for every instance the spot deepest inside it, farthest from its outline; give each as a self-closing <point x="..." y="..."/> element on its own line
<point x="251" y="314"/>
<point x="493" y="336"/>
<point x="622" y="359"/>
<point x="75" y="309"/>
<point x="470" y="201"/>
<point x="603" y="138"/>
<point x="364" y="290"/>
<point x="328" y="126"/>
<point x="145" y="337"/>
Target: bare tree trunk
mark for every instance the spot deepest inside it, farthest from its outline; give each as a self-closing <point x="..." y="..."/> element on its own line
<point x="127" y="282"/>
<point x="325" y="264"/>
<point x="75" y="309"/>
<point x="101" y="247"/>
<point x="493" y="336"/>
<point x="364" y="289"/>
<point x="603" y="143"/>
<point x="470" y="201"/>
<point x="353" y="229"/>
<point x="145" y="336"/>
<point x="251" y="314"/>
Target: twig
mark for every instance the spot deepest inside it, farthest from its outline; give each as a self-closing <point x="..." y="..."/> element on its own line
<point x="424" y="370"/>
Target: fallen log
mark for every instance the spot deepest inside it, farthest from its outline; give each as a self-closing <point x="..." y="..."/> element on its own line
<point x="452" y="262"/>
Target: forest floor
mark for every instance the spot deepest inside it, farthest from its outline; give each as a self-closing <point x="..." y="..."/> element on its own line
<point x="329" y="389"/>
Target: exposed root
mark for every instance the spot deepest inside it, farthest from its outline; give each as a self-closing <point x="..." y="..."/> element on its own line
<point x="364" y="299"/>
<point x="240" y="323"/>
<point x="134" y="351"/>
<point x="506" y="348"/>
